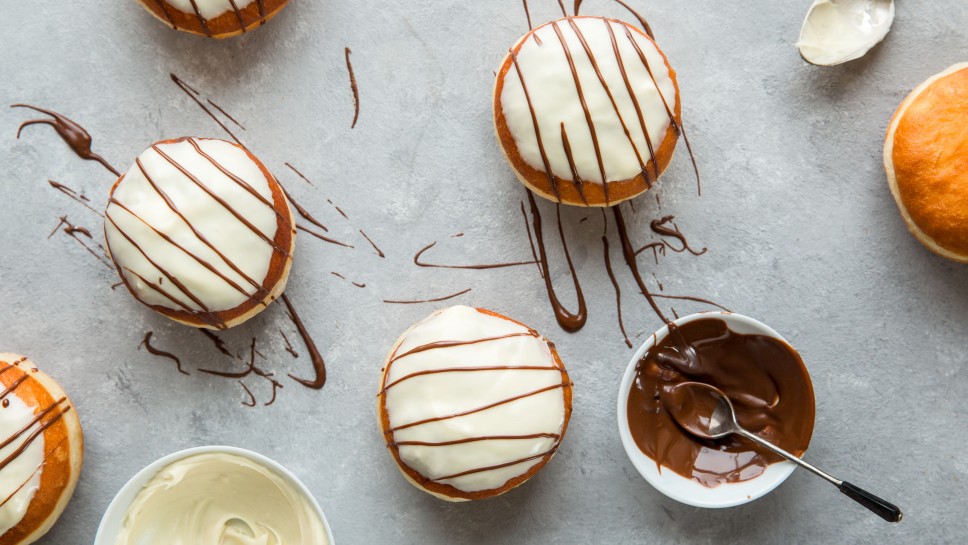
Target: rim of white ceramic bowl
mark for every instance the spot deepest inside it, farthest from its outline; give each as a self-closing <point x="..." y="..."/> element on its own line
<point x="113" y="519"/>
<point x="672" y="484"/>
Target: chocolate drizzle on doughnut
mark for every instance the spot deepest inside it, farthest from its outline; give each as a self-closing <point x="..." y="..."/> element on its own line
<point x="552" y="366"/>
<point x="584" y="106"/>
<point x="649" y="176"/>
<point x="70" y="132"/>
<point x="42" y="420"/>
<point x="353" y="88"/>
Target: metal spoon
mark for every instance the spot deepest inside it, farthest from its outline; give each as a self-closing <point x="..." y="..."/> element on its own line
<point x="837" y="31"/>
<point x="706" y="412"/>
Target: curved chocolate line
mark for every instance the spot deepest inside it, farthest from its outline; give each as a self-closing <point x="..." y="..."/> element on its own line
<point x="470" y="370"/>
<point x="479" y="409"/>
<point x="449" y="344"/>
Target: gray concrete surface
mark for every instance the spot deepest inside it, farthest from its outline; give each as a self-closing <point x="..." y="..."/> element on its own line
<point x="801" y="229"/>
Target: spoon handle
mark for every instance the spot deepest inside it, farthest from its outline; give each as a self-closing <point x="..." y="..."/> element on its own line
<point x="884" y="509"/>
<point x="763" y="442"/>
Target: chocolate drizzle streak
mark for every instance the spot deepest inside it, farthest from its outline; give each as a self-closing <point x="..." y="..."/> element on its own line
<point x="319" y="366"/>
<point x="251" y="369"/>
<point x="74" y="195"/>
<point x="194" y="94"/>
<point x="218" y="342"/>
<point x="611" y="276"/>
<point x="527" y="13"/>
<point x="288" y="345"/>
<point x="642" y="21"/>
<point x="70" y="132"/>
<point x="661" y="227"/>
<point x="161" y="353"/>
<point x="378" y="251"/>
<point x="568" y="320"/>
<point x="73" y="231"/>
<point x="300" y="174"/>
<point x="354" y="88"/>
<point x="419" y="263"/>
<point x="435" y="300"/>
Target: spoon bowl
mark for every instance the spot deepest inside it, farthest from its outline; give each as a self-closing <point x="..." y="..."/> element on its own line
<point x="702" y="409"/>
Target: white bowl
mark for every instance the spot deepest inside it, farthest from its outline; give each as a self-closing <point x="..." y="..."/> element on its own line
<point x="113" y="519"/>
<point x="671" y="483"/>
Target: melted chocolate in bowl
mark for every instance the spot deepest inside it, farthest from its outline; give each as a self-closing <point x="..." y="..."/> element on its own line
<point x="763" y="376"/>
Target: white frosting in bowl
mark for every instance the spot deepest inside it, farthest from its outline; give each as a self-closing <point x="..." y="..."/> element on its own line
<point x="220" y="498"/>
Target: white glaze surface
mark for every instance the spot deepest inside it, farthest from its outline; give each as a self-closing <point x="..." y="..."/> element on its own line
<point x="837" y="31"/>
<point x="233" y="239"/>
<point x="221" y="499"/>
<point x="20" y="479"/>
<point x="442" y="394"/>
<point x="554" y="96"/>
<point x="209" y="9"/>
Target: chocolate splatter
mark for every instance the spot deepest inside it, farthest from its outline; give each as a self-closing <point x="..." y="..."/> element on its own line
<point x="354" y="88"/>
<point x="319" y="365"/>
<point x="70" y="132"/>
<point x="194" y="94"/>
<point x="161" y="353"/>
<point x="74" y="195"/>
<point x="435" y="300"/>
<point x="661" y="227"/>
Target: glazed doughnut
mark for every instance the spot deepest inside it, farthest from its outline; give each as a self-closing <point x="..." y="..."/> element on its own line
<point x="200" y="231"/>
<point x="579" y="112"/>
<point x="926" y="160"/>
<point x="472" y="403"/>
<point x="214" y="18"/>
<point x="42" y="453"/>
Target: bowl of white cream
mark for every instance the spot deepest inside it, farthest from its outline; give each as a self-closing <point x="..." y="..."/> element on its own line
<point x="214" y="496"/>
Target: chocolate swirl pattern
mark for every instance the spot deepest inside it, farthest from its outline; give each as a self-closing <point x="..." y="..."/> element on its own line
<point x="589" y="103"/>
<point x="198" y="227"/>
<point x="473" y="403"/>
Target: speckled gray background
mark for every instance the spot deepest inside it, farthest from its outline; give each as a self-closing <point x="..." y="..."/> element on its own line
<point x="801" y="229"/>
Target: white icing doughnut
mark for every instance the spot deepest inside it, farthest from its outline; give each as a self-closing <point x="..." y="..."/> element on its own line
<point x="472" y="400"/>
<point x="192" y="227"/>
<point x="574" y="85"/>
<point x="20" y="478"/>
